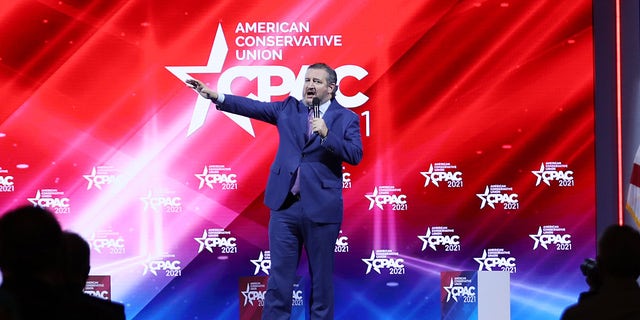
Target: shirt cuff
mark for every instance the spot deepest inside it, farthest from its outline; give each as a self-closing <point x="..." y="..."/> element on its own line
<point x="220" y="98"/>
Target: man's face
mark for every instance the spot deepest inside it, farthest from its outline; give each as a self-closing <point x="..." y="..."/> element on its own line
<point x="315" y="85"/>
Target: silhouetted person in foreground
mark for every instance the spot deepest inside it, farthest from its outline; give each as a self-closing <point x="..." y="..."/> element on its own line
<point x="614" y="293"/>
<point x="32" y="261"/>
<point x="77" y="265"/>
<point x="30" y="251"/>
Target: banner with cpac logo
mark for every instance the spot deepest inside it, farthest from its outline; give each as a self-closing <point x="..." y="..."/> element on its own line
<point x="475" y="295"/>
<point x="476" y="120"/>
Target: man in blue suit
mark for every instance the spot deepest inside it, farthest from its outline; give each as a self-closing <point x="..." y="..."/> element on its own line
<point x="304" y="189"/>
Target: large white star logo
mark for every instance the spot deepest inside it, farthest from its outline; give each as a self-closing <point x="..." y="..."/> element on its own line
<point x="218" y="54"/>
<point x="425" y="240"/>
<point x="246" y="296"/>
<point x="203" y="177"/>
<point x="201" y="241"/>
<point x="147" y="267"/>
<point x="484" y="196"/>
<point x="536" y="238"/>
<point x="427" y="175"/>
<point x="369" y="262"/>
<point x="372" y="198"/>
<point x="480" y="261"/>
<point x="148" y="202"/>
<point x="449" y="294"/>
<point x="259" y="265"/>
<point x="539" y="175"/>
<point x="91" y="178"/>
<point x="34" y="201"/>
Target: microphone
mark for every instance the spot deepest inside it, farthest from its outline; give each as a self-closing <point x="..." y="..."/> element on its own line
<point x="316" y="107"/>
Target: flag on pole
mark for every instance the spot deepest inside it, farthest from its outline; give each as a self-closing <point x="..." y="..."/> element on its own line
<point x="633" y="195"/>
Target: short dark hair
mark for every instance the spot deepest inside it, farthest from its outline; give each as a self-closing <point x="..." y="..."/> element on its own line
<point x="619" y="251"/>
<point x="30" y="240"/>
<point x="332" y="77"/>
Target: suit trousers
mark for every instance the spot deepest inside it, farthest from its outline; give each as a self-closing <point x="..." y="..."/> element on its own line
<point x="290" y="231"/>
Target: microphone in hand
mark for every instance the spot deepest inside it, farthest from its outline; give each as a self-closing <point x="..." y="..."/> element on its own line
<point x="316" y="107"/>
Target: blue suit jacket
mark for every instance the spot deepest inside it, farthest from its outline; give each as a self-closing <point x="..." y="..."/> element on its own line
<point x="320" y="162"/>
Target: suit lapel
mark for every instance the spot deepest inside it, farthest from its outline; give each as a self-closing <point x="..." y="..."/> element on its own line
<point x="329" y="116"/>
<point x="303" y="124"/>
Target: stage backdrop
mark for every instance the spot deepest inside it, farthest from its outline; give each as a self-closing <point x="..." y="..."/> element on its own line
<point x="476" y="117"/>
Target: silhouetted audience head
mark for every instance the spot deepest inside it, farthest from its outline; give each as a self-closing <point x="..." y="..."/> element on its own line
<point x="619" y="252"/>
<point x="44" y="271"/>
<point x="30" y="243"/>
<point x="77" y="254"/>
<point x="76" y="261"/>
<point x="613" y="291"/>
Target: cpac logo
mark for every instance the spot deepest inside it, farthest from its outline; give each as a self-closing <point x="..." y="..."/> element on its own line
<point x="166" y="265"/>
<point x="545" y="239"/>
<point x="436" y="177"/>
<point x="491" y="199"/>
<point x="432" y="241"/>
<point x="156" y="203"/>
<point x="459" y="291"/>
<point x="342" y="241"/>
<point x="341" y="244"/>
<point x="382" y="199"/>
<point x="99" y="294"/>
<point x="99" y="244"/>
<point x="346" y="179"/>
<point x="6" y="180"/>
<point x="382" y="263"/>
<point x="6" y="184"/>
<point x="214" y="242"/>
<point x="262" y="263"/>
<point x="214" y="178"/>
<point x="253" y="295"/>
<point x="271" y="81"/>
<point x="489" y="263"/>
<point x="37" y="201"/>
<point x="297" y="298"/>
<point x="98" y="180"/>
<point x="552" y="175"/>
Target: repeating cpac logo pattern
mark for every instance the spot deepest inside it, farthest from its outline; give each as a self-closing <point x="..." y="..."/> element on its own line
<point x="443" y="172"/>
<point x="499" y="194"/>
<point x="551" y="235"/>
<point x="263" y="263"/>
<point x="217" y="238"/>
<point x="101" y="176"/>
<point x="384" y="259"/>
<point x="387" y="196"/>
<point x="6" y="181"/>
<point x="165" y="265"/>
<point x="298" y="299"/>
<point x="459" y="287"/>
<point x="161" y="202"/>
<point x="554" y="171"/>
<point x="342" y="244"/>
<point x="217" y="175"/>
<point x="346" y="179"/>
<point x="440" y="236"/>
<point x="51" y="199"/>
<point x="108" y="241"/>
<point x="254" y="293"/>
<point x="496" y="259"/>
<point x="97" y="288"/>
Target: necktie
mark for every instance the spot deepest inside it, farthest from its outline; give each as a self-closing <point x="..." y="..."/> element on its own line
<point x="309" y="118"/>
<point x="295" y="189"/>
